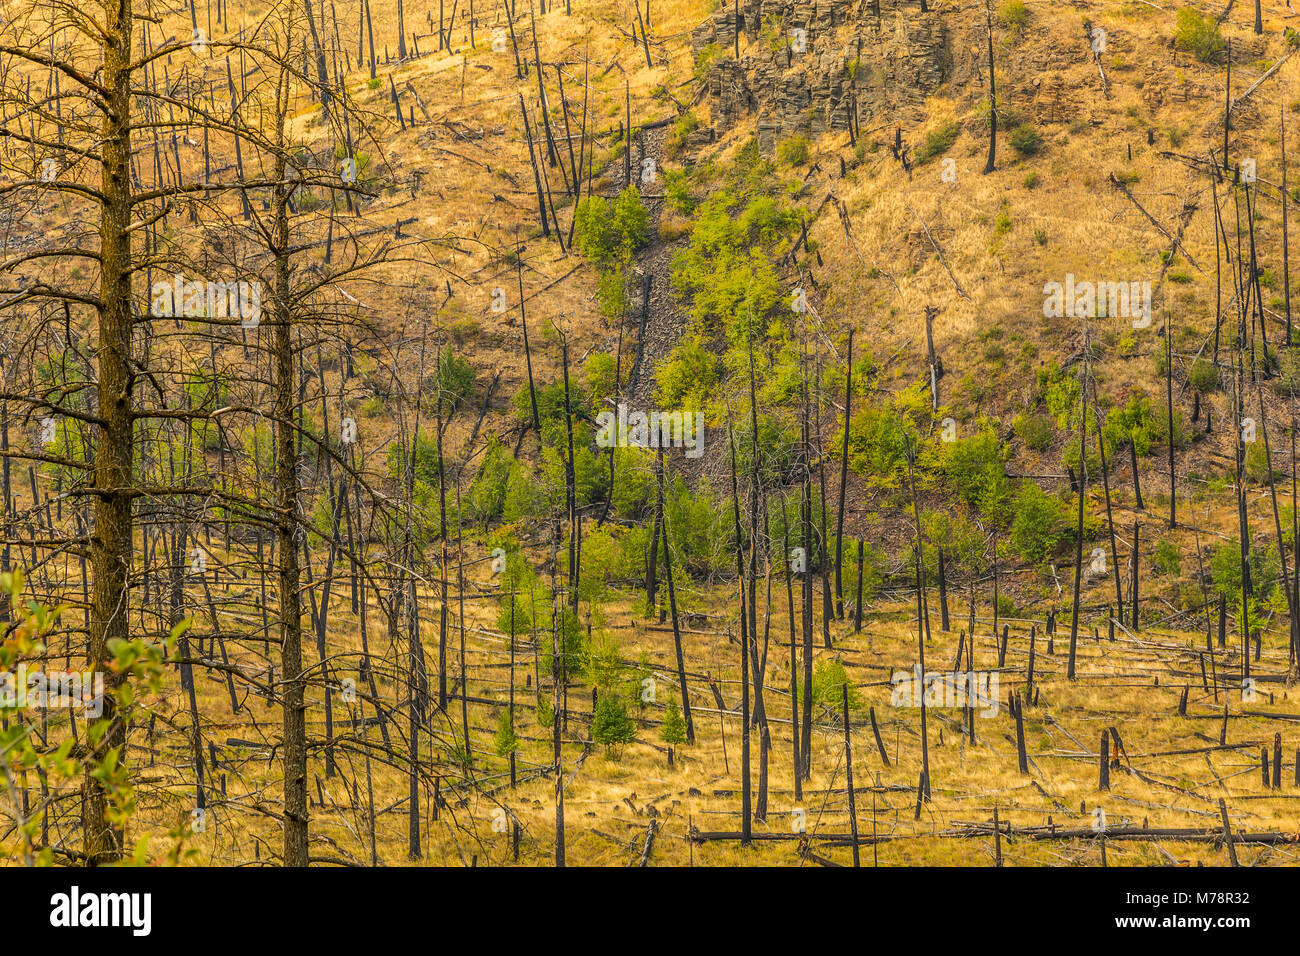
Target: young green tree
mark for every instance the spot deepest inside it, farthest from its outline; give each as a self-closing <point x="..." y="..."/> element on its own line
<point x="673" y="729"/>
<point x="611" y="725"/>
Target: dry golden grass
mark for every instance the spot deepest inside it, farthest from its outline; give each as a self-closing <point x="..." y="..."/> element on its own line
<point x="476" y="187"/>
<point x="1132" y="684"/>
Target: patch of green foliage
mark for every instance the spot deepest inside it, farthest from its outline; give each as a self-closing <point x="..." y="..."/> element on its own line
<point x="1025" y="140"/>
<point x="673" y="729"/>
<point x="1039" y="527"/>
<point x="829" y="680"/>
<point x="612" y="231"/>
<point x="1013" y="15"/>
<point x="937" y="143"/>
<point x="1199" y="35"/>
<point x="793" y="151"/>
<point x="611" y="725"/>
<point x="974" y="467"/>
<point x="727" y="275"/>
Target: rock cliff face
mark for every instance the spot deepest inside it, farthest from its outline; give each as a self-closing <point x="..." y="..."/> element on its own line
<point x="809" y="66"/>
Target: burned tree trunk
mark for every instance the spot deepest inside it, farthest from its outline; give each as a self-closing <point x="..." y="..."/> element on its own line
<point x="989" y="166"/>
<point x="844" y="481"/>
<point x="111" y="546"/>
<point x="672" y="607"/>
<point x="1078" y="548"/>
<point x="289" y="571"/>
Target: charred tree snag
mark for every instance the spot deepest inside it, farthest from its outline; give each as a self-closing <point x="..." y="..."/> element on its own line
<point x="672" y="607"/>
<point x="794" y="658"/>
<point x="990" y="165"/>
<point x="571" y="500"/>
<point x="1135" y="616"/>
<point x="1286" y="248"/>
<point x="848" y="770"/>
<point x="1169" y="404"/>
<point x="1015" y="704"/>
<point x="1078" y="544"/>
<point x="943" y="593"/>
<point x="746" y="808"/>
<point x="920" y="630"/>
<point x="857" y="604"/>
<point x="290" y="583"/>
<point x="533" y="160"/>
<point x="1110" y="517"/>
<point x="112" y="545"/>
<point x="1227" y="107"/>
<point x="844" y="481"/>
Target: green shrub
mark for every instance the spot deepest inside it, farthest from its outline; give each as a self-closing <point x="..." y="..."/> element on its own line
<point x="426" y="460"/>
<point x="677" y="192"/>
<point x="727" y="273"/>
<point x="611" y="726"/>
<point x="524" y="599"/>
<point x="1133" y="423"/>
<point x="682" y="127"/>
<point x="1092" y="454"/>
<point x="687" y="375"/>
<point x="1013" y="14"/>
<point x="545" y="710"/>
<point x="486" y="497"/>
<point x="506" y="742"/>
<point x="1060" y="393"/>
<point x="704" y="60"/>
<point x="633" y="493"/>
<point x="603" y="662"/>
<point x="829" y="679"/>
<point x="793" y="151"/>
<point x="1168" y="559"/>
<point x="1199" y="35"/>
<point x="1225" y="571"/>
<point x="1034" y="429"/>
<point x="975" y="468"/>
<point x="1025" y="140"/>
<point x="612" y="292"/>
<point x="962" y="539"/>
<point x="700" y="530"/>
<point x="937" y="143"/>
<point x="777" y="443"/>
<point x="673" y="729"/>
<point x="598" y="377"/>
<point x="571" y="644"/>
<point x="1203" y="376"/>
<point x="1039" y="527"/>
<point x="550" y="408"/>
<point x="608" y="233"/>
<point x="1257" y="463"/>
<point x="878" y="442"/>
<point x="873" y="570"/>
<point x="456" y="377"/>
<point x="527" y="499"/>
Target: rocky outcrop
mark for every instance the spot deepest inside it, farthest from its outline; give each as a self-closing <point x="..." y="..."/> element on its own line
<point x="808" y="67"/>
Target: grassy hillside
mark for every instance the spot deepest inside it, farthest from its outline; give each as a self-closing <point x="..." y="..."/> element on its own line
<point x="794" y="234"/>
